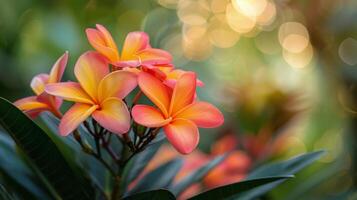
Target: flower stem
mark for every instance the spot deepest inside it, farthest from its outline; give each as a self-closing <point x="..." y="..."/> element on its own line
<point x="142" y="144"/>
<point x="116" y="188"/>
<point x="136" y="98"/>
<point x="88" y="149"/>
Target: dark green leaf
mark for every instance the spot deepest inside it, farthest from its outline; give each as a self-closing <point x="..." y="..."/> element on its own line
<point x="152" y="195"/>
<point x="159" y="178"/>
<point x="12" y="167"/>
<point x="138" y="163"/>
<point x="73" y="153"/>
<point x="235" y="189"/>
<point x="196" y="176"/>
<point x="291" y="166"/>
<point x="4" y="194"/>
<point x="43" y="153"/>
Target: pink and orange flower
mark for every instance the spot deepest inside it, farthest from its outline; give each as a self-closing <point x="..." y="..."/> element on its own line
<point x="136" y="50"/>
<point x="99" y="94"/>
<point x="177" y="111"/>
<point x="42" y="101"/>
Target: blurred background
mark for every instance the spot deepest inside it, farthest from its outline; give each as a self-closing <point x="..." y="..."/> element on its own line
<point x="284" y="72"/>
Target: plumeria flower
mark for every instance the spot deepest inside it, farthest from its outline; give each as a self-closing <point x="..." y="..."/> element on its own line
<point x="172" y="75"/>
<point x="135" y="52"/>
<point x="42" y="101"/>
<point x="166" y="73"/>
<point x="99" y="94"/>
<point x="177" y="112"/>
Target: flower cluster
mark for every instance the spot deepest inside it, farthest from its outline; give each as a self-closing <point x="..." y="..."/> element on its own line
<point x="106" y="77"/>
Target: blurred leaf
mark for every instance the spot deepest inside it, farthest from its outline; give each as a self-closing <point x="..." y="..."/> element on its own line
<point x="17" y="170"/>
<point x="4" y="194"/>
<point x="196" y="176"/>
<point x="239" y="188"/>
<point x="159" y="178"/>
<point x="315" y="181"/>
<point x="152" y="195"/>
<point x="73" y="153"/>
<point x="136" y="165"/>
<point x="43" y="153"/>
<point x="288" y="167"/>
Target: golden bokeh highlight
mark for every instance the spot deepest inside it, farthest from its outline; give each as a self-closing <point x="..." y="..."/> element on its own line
<point x="268" y="15"/>
<point x="193" y="12"/>
<point x="251" y="8"/>
<point x="238" y="21"/>
<point x="292" y="28"/>
<point x="219" y="6"/>
<point x="299" y="60"/>
<point x="221" y="23"/>
<point x="295" y="43"/>
<point x="195" y="43"/>
<point x="220" y="34"/>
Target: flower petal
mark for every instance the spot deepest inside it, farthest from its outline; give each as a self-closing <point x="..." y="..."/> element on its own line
<point x="148" y="116"/>
<point x="113" y="115"/>
<point x="184" y="92"/>
<point x="102" y="41"/>
<point x="195" y="112"/>
<point x="127" y="63"/>
<point x="58" y="69"/>
<point x="117" y="84"/>
<point x="90" y="69"/>
<point x="109" y="41"/>
<point x="155" y="56"/>
<point x="155" y="71"/>
<point x="49" y="99"/>
<point x="183" y="135"/>
<point x="31" y="103"/>
<point x="38" y="83"/>
<point x="136" y="71"/>
<point x="70" y="91"/>
<point x="134" y="42"/>
<point x="53" y="102"/>
<point x="78" y="113"/>
<point x="155" y="90"/>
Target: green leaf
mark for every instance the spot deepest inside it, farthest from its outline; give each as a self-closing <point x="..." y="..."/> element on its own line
<point x="43" y="153"/>
<point x="160" y="177"/>
<point x="291" y="166"/>
<point x="196" y="175"/>
<point x="83" y="163"/>
<point x="152" y="195"/>
<point x="4" y="194"/>
<point x="235" y="189"/>
<point x="137" y="164"/>
<point x="22" y="178"/>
